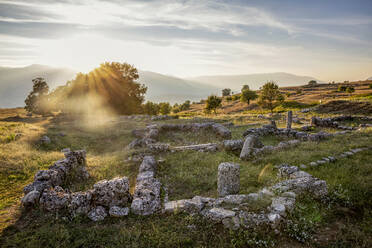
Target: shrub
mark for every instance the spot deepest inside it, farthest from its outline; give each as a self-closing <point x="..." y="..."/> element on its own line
<point x="213" y="102"/>
<point x="151" y="108"/>
<point x="342" y="88"/>
<point x="229" y="98"/>
<point x="164" y="108"/>
<point x="248" y="95"/>
<point x="236" y="97"/>
<point x="270" y="96"/>
<point x="226" y="92"/>
<point x="370" y="86"/>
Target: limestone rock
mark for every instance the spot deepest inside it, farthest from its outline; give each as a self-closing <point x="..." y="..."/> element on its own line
<point x="31" y="198"/>
<point x="97" y="214"/>
<point x="250" y="144"/>
<point x="116" y="211"/>
<point x="45" y="140"/>
<point x="218" y="214"/>
<point x="233" y="145"/>
<point x="114" y="192"/>
<point x="228" y="181"/>
<point x="54" y="199"/>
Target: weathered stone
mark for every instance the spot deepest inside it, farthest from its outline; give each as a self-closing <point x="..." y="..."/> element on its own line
<point x="228" y="181"/>
<point x="80" y="202"/>
<point x="146" y="198"/>
<point x="116" y="211"/>
<point x="31" y="198"/>
<point x="45" y="140"/>
<point x="174" y="206"/>
<point x="313" y="164"/>
<point x="114" y="192"/>
<point x="289" y="119"/>
<point x="289" y="194"/>
<point x="53" y="176"/>
<point x="148" y="164"/>
<point x="210" y="147"/>
<point x="221" y="130"/>
<point x="218" y="214"/>
<point x="233" y="145"/>
<point x="54" y="199"/>
<point x="251" y="220"/>
<point x="38" y="186"/>
<point x="250" y="144"/>
<point x="97" y="214"/>
<point x="232" y="223"/>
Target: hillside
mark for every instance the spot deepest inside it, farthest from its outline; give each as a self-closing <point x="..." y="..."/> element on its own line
<point x="15" y="83"/>
<point x="255" y="81"/>
<point x="172" y="89"/>
<point x="305" y="95"/>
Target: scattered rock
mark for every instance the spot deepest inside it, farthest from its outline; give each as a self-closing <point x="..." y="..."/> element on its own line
<point x="97" y="214"/>
<point x="228" y="181"/>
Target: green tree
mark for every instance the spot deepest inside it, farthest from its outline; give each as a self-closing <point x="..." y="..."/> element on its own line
<point x="213" y="102"/>
<point x="350" y="90"/>
<point x="270" y="96"/>
<point x="226" y="92"/>
<point x="370" y="86"/>
<point x="37" y="100"/>
<point x="112" y="86"/>
<point x="164" y="108"/>
<point x="312" y="83"/>
<point x="248" y="95"/>
<point x="342" y="88"/>
<point x="151" y="108"/>
<point x="245" y="87"/>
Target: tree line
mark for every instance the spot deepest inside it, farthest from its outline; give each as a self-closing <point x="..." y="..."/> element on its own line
<point x="269" y="98"/>
<point x="110" y="87"/>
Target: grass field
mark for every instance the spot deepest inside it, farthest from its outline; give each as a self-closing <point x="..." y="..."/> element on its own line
<point x="342" y="221"/>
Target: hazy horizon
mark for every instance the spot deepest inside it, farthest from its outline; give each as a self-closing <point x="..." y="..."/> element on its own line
<point x="328" y="40"/>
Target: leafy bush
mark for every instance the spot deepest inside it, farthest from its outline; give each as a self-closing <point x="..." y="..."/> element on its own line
<point x="236" y="97"/>
<point x="370" y="86"/>
<point x="213" y="102"/>
<point x="248" y="95"/>
<point x="226" y="92"/>
<point x="342" y="88"/>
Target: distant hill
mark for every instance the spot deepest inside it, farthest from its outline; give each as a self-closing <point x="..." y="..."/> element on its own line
<point x="172" y="89"/>
<point x="15" y="84"/>
<point x="370" y="78"/>
<point x="255" y="81"/>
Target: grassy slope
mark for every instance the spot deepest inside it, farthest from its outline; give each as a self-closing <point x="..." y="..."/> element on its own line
<point x="307" y="96"/>
<point x="185" y="174"/>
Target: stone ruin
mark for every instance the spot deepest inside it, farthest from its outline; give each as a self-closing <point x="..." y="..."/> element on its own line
<point x="248" y="147"/>
<point x="148" y="137"/>
<point x="334" y="121"/>
<point x="233" y="209"/>
<point x="113" y="198"/>
<point x="251" y="146"/>
<point x="46" y="191"/>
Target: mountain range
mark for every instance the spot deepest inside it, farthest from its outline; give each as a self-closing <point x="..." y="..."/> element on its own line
<point x="15" y="83"/>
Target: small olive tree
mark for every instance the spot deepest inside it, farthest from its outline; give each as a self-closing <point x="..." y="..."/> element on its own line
<point x="270" y="96"/>
<point x="226" y="92"/>
<point x="213" y="102"/>
<point x="248" y="95"/>
<point x="164" y="108"/>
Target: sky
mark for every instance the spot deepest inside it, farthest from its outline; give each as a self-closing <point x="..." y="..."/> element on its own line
<point x="326" y="39"/>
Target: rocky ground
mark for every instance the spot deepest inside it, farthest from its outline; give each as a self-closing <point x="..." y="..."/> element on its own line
<point x="225" y="181"/>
